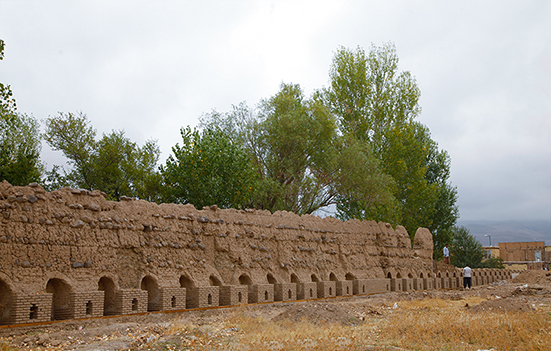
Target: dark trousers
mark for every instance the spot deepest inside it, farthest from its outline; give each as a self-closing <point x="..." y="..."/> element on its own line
<point x="467" y="282"/>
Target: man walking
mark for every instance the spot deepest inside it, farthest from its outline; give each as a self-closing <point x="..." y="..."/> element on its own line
<point x="467" y="271"/>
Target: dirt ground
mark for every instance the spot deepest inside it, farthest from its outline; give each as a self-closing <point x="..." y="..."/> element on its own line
<point x="523" y="294"/>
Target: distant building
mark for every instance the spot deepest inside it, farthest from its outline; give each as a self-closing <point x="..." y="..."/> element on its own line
<point x="521" y="255"/>
<point x="491" y="252"/>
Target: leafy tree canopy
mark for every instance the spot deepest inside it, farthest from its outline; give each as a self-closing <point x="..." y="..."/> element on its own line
<point x="465" y="249"/>
<point x="19" y="140"/>
<point x="113" y="164"/>
<point x="209" y="169"/>
<point x="303" y="162"/>
<point x="376" y="103"/>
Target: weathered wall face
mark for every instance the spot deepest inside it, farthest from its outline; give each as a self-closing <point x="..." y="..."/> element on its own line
<point x="74" y="240"/>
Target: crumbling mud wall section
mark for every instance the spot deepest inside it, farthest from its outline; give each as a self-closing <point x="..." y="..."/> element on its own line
<point x="73" y="254"/>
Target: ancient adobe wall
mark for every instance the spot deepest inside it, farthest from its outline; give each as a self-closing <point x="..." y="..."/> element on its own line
<point x="71" y="253"/>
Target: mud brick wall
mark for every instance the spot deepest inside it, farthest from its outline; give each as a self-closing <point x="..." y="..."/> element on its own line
<point x="261" y="293"/>
<point x="86" y="304"/>
<point x="30" y="308"/>
<point x="130" y="301"/>
<point x="396" y="284"/>
<point x="285" y="292"/>
<point x="79" y="237"/>
<point x="204" y="296"/>
<point x="233" y="295"/>
<point x="360" y="286"/>
<point x="73" y="254"/>
<point x="345" y="288"/>
<point x="307" y="291"/>
<point x="378" y="286"/>
<point x="172" y="299"/>
<point x="327" y="289"/>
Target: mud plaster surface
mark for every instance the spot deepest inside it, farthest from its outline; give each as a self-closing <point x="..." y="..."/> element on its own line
<point x="79" y="236"/>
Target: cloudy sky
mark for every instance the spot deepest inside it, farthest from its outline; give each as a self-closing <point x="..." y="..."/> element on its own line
<point x="151" y="67"/>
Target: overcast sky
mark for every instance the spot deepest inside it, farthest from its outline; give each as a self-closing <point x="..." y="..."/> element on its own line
<point x="151" y="67"/>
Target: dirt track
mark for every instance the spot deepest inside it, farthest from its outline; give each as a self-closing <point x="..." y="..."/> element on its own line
<point x="526" y="292"/>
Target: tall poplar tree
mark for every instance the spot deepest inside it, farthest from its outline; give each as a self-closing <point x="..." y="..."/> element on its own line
<point x="376" y="103"/>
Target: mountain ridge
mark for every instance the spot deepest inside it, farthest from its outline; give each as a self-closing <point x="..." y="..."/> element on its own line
<point x="508" y="231"/>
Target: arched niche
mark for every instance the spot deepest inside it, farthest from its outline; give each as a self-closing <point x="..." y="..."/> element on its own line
<point x="333" y="277"/>
<point x="61" y="298"/>
<point x="6" y="295"/>
<point x="294" y="278"/>
<point x="389" y="275"/>
<point x="314" y="278"/>
<point x="271" y="279"/>
<point x="245" y="280"/>
<point x="186" y="282"/>
<point x="349" y="276"/>
<point x="153" y="297"/>
<point x="214" y="281"/>
<point x="107" y="285"/>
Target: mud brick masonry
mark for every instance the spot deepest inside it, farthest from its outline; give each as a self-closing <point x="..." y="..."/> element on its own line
<point x="72" y="254"/>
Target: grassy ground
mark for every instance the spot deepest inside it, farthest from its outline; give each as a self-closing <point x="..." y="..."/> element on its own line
<point x="430" y="324"/>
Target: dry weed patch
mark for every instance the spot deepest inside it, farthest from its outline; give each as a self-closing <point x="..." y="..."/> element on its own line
<point x="430" y="324"/>
<point x="418" y="325"/>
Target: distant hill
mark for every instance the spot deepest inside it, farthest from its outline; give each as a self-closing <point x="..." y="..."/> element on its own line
<point x="509" y="231"/>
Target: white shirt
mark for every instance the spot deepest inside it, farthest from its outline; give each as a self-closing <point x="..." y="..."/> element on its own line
<point x="446" y="252"/>
<point x="467" y="272"/>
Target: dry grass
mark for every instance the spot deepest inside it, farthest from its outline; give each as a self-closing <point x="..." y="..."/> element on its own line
<point x="430" y="324"/>
<point x="5" y="347"/>
<point x="419" y="326"/>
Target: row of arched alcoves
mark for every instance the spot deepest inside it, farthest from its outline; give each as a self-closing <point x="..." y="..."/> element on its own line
<point x="62" y="291"/>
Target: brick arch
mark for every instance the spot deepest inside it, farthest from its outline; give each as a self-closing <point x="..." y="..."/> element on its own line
<point x="186" y="282"/>
<point x="214" y="281"/>
<point x="398" y="275"/>
<point x="6" y="295"/>
<point x="421" y="275"/>
<point x="410" y="275"/>
<point x="294" y="278"/>
<point x="333" y="277"/>
<point x="314" y="278"/>
<point x="271" y="279"/>
<point x="389" y="275"/>
<point x="61" y="298"/>
<point x="108" y="286"/>
<point x="349" y="276"/>
<point x="244" y="279"/>
<point x="150" y="284"/>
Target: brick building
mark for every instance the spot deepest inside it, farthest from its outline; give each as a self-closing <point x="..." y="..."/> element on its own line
<point x="524" y="255"/>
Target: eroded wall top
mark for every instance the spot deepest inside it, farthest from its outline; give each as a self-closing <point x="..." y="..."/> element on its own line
<point x="79" y="236"/>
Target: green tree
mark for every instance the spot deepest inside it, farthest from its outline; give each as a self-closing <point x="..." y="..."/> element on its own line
<point x="114" y="164"/>
<point x="19" y="149"/>
<point x="73" y="135"/>
<point x="303" y="162"/>
<point x="465" y="249"/>
<point x="377" y="104"/>
<point x="494" y="262"/>
<point x="209" y="169"/>
<point x="19" y="140"/>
